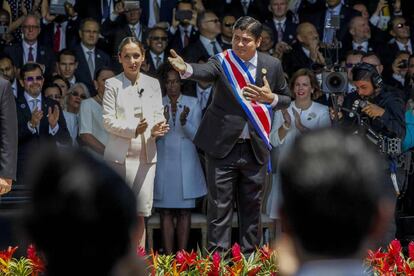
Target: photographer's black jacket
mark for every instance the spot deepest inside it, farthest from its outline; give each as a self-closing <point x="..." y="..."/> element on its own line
<point x="391" y="123"/>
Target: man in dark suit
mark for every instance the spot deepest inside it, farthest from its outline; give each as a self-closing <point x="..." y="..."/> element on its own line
<point x="164" y="8"/>
<point x="254" y="8"/>
<point x="30" y="49"/>
<point x="89" y="58"/>
<point x="39" y="120"/>
<point x="237" y="157"/>
<point x="8" y="137"/>
<point x="157" y="43"/>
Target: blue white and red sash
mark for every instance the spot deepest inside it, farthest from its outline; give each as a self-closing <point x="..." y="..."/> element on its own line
<point x="239" y="76"/>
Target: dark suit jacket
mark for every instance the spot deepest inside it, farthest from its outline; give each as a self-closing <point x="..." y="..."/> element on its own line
<point x="289" y="35"/>
<point x="165" y="10"/>
<point x="296" y="59"/>
<point x="44" y="56"/>
<point x="224" y="119"/>
<point x="72" y="33"/>
<point x="176" y="42"/>
<point x="90" y="8"/>
<point x="28" y="142"/>
<point x="8" y="131"/>
<point x="152" y="71"/>
<point x="82" y="72"/>
<point x="195" y="51"/>
<point x="123" y="31"/>
<point x="257" y="9"/>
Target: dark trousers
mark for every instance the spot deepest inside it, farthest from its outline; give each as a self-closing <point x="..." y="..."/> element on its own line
<point x="237" y="177"/>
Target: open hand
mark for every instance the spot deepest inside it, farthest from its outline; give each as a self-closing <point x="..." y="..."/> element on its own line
<point x="259" y="94"/>
<point x="298" y="122"/>
<point x="37" y="115"/>
<point x="5" y="185"/>
<point x="142" y="126"/>
<point x="160" y="129"/>
<point x="373" y="110"/>
<point x="177" y="62"/>
<point x="53" y="116"/>
<point x="184" y="115"/>
<point x="286" y="117"/>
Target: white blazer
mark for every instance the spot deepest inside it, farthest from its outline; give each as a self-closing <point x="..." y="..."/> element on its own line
<point x="123" y="104"/>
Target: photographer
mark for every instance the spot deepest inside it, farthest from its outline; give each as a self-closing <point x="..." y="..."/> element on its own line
<point x="399" y="69"/>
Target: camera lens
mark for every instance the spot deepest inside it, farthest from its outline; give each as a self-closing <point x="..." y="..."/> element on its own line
<point x="335" y="81"/>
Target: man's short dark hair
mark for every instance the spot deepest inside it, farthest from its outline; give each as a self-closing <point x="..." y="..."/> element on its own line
<point x="66" y="52"/>
<point x="101" y="69"/>
<point x="6" y="56"/>
<point x="247" y="23"/>
<point x="88" y="19"/>
<point x="59" y="77"/>
<point x="331" y="184"/>
<point x="29" y="67"/>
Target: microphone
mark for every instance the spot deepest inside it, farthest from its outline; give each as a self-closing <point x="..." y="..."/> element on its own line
<point x="140" y="91"/>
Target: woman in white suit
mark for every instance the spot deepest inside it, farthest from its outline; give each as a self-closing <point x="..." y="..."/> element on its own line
<point x="133" y="117"/>
<point x="179" y="177"/>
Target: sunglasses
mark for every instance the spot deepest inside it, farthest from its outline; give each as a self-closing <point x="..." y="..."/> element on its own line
<point x="77" y="94"/>
<point x="162" y="38"/>
<point x="401" y="25"/>
<point x="228" y="25"/>
<point x="349" y="65"/>
<point x="54" y="97"/>
<point x="213" y="20"/>
<point x="32" y="79"/>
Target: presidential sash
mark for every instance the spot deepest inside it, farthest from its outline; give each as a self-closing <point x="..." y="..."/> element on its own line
<point x="239" y="76"/>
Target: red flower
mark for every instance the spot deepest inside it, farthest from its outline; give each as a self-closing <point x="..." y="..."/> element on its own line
<point x="265" y="252"/>
<point x="411" y="250"/>
<point x="253" y="271"/>
<point x="235" y="251"/>
<point x="6" y="255"/>
<point x="190" y="258"/>
<point x="37" y="262"/>
<point x="141" y="252"/>
<point x="394" y="248"/>
<point x="215" y="269"/>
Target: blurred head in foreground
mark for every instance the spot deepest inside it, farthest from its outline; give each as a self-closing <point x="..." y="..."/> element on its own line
<point x="334" y="199"/>
<point x="82" y="214"/>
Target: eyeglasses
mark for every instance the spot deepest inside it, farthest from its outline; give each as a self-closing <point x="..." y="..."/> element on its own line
<point x="401" y="25"/>
<point x="77" y="94"/>
<point x="349" y="65"/>
<point x="54" y="97"/>
<point x="228" y="25"/>
<point x="32" y="79"/>
<point x="90" y="32"/>
<point x="212" y="20"/>
<point x="162" y="38"/>
<point x="30" y="27"/>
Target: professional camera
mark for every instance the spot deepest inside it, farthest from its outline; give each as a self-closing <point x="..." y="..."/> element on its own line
<point x="334" y="80"/>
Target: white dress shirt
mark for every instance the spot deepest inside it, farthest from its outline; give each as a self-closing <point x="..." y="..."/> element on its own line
<point x="402" y="46"/>
<point x="137" y="29"/>
<point x="151" y="19"/>
<point x="63" y="26"/>
<point x="29" y="100"/>
<point x="207" y="43"/>
<point x="26" y="50"/>
<point x="154" y="58"/>
<point x="202" y="95"/>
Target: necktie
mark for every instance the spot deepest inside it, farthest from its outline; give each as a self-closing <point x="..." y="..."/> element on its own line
<point x="245" y="4"/>
<point x="279" y="30"/>
<point x="186" y="38"/>
<point x="133" y="32"/>
<point x="34" y="103"/>
<point x="360" y="48"/>
<point x="90" y="64"/>
<point x="407" y="49"/>
<point x="56" y="39"/>
<point x="105" y="9"/>
<point x="215" y="50"/>
<point x="30" y="57"/>
<point x="156" y="11"/>
<point x="157" y="62"/>
<point x="329" y="32"/>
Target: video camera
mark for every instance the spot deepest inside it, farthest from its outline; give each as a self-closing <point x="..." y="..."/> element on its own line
<point x="334" y="80"/>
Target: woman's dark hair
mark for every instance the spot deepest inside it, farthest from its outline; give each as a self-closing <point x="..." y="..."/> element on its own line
<point x="163" y="75"/>
<point x="52" y="85"/>
<point x="29" y="67"/>
<point x="80" y="211"/>
<point x="130" y="39"/>
<point x="59" y="77"/>
<point x="313" y="81"/>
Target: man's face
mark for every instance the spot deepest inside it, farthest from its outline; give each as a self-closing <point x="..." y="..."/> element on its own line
<point x="7" y="70"/>
<point x="158" y="41"/>
<point x="67" y="66"/>
<point x="362" y="9"/>
<point x="397" y="65"/>
<point x="210" y="25"/>
<point x="100" y="82"/>
<point x="133" y="16"/>
<point x="89" y="34"/>
<point x="244" y="44"/>
<point x="267" y="42"/>
<point x="173" y="84"/>
<point x="333" y="3"/>
<point x="30" y="29"/>
<point x="364" y="88"/>
<point x="350" y="62"/>
<point x="182" y="6"/>
<point x="400" y="29"/>
<point x="227" y="25"/>
<point x="278" y="8"/>
<point x="373" y="60"/>
<point x="360" y="29"/>
<point x="33" y="82"/>
<point x="308" y="35"/>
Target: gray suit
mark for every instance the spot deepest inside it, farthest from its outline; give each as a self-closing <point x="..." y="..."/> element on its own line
<point x="232" y="163"/>
<point x="8" y="131"/>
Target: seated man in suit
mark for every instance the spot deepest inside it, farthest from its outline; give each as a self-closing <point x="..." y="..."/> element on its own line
<point x="66" y="65"/>
<point x="9" y="72"/>
<point x="89" y="57"/>
<point x="157" y="42"/>
<point x="31" y="49"/>
<point x="183" y="31"/>
<point x="306" y="52"/>
<point x="330" y="236"/>
<point x="282" y="25"/>
<point x="360" y="31"/>
<point x="207" y="45"/>
<point x="39" y="120"/>
<point x="227" y="23"/>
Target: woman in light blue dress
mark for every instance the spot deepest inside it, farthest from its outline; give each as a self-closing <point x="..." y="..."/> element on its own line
<point x="179" y="178"/>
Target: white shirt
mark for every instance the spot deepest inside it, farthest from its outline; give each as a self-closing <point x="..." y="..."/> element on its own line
<point x="282" y="22"/>
<point x="207" y="43"/>
<point x="29" y="99"/>
<point x="202" y="95"/>
<point x="399" y="78"/>
<point x="154" y="58"/>
<point x="26" y="50"/>
<point x="402" y="46"/>
<point x="138" y="30"/>
<point x="151" y="19"/>
<point x="306" y="51"/>
<point x="63" y="26"/>
<point x="14" y="87"/>
<point x="364" y="46"/>
<point x="85" y="52"/>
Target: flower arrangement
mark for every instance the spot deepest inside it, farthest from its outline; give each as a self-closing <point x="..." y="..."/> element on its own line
<point x="392" y="260"/>
<point x="260" y="262"/>
<point x="32" y="265"/>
